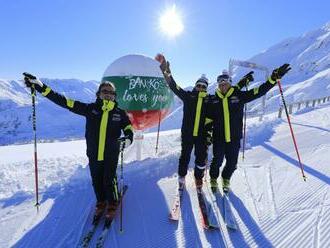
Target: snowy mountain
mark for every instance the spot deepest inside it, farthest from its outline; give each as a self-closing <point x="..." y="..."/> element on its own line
<point x="52" y="122"/>
<point x="271" y="203"/>
<point x="308" y="55"/>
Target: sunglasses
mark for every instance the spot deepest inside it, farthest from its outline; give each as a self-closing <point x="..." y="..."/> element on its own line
<point x="224" y="81"/>
<point x="200" y="86"/>
<point x="104" y="91"/>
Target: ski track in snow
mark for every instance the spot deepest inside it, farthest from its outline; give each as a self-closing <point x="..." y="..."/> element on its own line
<point x="271" y="193"/>
<point x="250" y="194"/>
<point x="273" y="206"/>
<point x="318" y="221"/>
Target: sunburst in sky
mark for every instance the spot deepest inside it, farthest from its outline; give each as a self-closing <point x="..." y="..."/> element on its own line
<point x="170" y="22"/>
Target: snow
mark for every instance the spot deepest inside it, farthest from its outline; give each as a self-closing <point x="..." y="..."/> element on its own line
<point x="134" y="65"/>
<point x="307" y="54"/>
<point x="274" y="207"/>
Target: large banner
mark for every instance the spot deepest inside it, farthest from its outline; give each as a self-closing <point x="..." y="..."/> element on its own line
<point x="139" y="92"/>
<point x="141" y="89"/>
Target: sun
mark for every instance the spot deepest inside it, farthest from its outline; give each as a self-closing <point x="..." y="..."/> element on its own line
<point x="171" y="22"/>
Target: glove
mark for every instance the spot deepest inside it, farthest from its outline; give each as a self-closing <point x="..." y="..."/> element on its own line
<point x="245" y="81"/>
<point x="127" y="142"/>
<point x="278" y="73"/>
<point x="164" y="65"/>
<point x="30" y="80"/>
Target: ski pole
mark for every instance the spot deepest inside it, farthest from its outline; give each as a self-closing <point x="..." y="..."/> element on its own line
<point x="33" y="94"/>
<point x="160" y="115"/>
<point x="121" y="183"/>
<point x="291" y="130"/>
<point x="244" y="128"/>
<point x="206" y="163"/>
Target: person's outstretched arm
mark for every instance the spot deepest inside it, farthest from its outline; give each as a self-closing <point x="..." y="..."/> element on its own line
<point x="277" y="74"/>
<point x="74" y="106"/>
<point x="165" y="68"/>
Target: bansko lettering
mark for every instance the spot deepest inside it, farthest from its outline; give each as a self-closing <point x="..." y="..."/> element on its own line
<point x="148" y="83"/>
<point x="146" y="92"/>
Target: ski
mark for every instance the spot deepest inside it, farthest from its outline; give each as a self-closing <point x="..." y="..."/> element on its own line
<point x="176" y="207"/>
<point x="206" y="210"/>
<point x="228" y="214"/>
<point x="108" y="222"/>
<point x="87" y="237"/>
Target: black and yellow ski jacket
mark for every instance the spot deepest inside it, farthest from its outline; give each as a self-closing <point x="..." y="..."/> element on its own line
<point x="194" y="110"/>
<point x="226" y="111"/>
<point x="104" y="123"/>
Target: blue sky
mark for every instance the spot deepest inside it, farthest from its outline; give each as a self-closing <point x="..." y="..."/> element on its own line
<point x="80" y="38"/>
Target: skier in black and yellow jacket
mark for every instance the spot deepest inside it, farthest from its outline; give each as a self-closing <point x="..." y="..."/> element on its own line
<point x="193" y="133"/>
<point x="226" y="111"/>
<point x="105" y="122"/>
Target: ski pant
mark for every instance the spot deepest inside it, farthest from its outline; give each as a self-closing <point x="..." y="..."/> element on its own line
<point x="104" y="179"/>
<point x="187" y="144"/>
<point x="223" y="150"/>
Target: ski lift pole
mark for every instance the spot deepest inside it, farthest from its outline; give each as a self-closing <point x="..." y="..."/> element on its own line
<point x="244" y="127"/>
<point x="291" y="129"/>
<point x="33" y="95"/>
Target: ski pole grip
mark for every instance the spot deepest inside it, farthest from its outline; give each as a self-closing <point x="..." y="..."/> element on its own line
<point x="122" y="141"/>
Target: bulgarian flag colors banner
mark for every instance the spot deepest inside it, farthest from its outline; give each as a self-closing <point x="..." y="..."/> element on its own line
<point x="141" y="89"/>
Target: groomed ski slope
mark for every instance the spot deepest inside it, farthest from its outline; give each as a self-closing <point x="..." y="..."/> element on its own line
<point x="273" y="206"/>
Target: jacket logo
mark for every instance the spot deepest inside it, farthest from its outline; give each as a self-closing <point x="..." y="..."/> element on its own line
<point x="234" y="99"/>
<point x="95" y="112"/>
<point x="116" y="117"/>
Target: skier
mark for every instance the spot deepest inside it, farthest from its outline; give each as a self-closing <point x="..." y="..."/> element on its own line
<point x="226" y="111"/>
<point x="104" y="123"/>
<point x="243" y="82"/>
<point x="193" y="134"/>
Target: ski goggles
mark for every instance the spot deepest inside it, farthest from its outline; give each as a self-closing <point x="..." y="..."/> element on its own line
<point x="224" y="79"/>
<point x="110" y="92"/>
